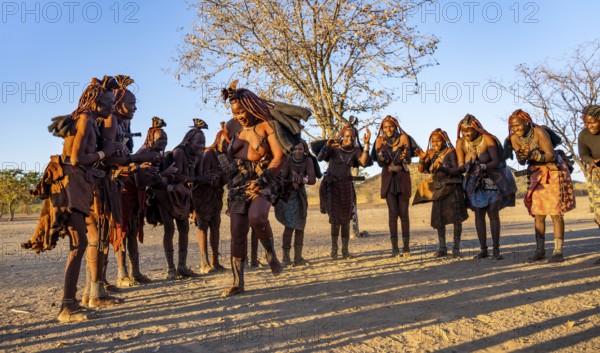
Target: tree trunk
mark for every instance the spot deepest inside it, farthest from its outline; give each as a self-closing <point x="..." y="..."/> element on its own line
<point x="1" y="210"/>
<point x="11" y="209"/>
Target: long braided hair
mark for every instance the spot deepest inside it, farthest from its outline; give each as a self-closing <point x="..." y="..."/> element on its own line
<point x="340" y="135"/>
<point x="471" y="121"/>
<point x="444" y="135"/>
<point x="253" y="104"/>
<point x="90" y="98"/>
<point x="350" y="125"/>
<point x="123" y="81"/>
<point x="523" y="116"/>
<point x="437" y="158"/>
<point x="392" y="120"/>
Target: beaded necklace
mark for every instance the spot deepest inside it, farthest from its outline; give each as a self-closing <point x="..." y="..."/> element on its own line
<point x="392" y="155"/>
<point x="346" y="155"/>
<point x="474" y="146"/>
<point x="527" y="138"/>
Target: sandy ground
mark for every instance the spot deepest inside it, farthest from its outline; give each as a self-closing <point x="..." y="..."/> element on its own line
<point x="371" y="303"/>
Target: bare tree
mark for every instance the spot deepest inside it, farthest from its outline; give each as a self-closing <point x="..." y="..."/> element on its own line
<point x="334" y="56"/>
<point x="558" y="95"/>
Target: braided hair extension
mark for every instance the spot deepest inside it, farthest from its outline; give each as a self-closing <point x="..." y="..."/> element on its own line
<point x="444" y="135"/>
<point x="471" y="121"/>
<point x="523" y="116"/>
<point x="253" y="104"/>
<point x="122" y="81"/>
<point x="394" y="121"/>
<point x="340" y="135"/>
<point x="350" y="125"/>
<point x="90" y="98"/>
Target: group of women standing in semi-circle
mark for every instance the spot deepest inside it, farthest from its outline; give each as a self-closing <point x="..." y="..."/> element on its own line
<point x="470" y="174"/>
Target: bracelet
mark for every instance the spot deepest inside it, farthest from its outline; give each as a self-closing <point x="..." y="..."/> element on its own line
<point x="170" y="187"/>
<point x="160" y="176"/>
<point x="483" y="166"/>
<point x="366" y="148"/>
<point x="101" y="155"/>
<point x="541" y="158"/>
<point x="536" y="156"/>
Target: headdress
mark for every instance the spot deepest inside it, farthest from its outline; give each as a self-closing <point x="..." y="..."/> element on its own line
<point x="471" y="121"/>
<point x="253" y="104"/>
<point x="157" y="124"/>
<point x="90" y="98"/>
<point x="122" y="82"/>
<point x="443" y="134"/>
<point x="199" y="124"/>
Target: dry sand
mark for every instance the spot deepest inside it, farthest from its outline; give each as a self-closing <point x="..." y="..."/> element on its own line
<point x="371" y="303"/>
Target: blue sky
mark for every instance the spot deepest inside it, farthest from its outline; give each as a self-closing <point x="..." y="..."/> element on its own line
<point x="50" y="50"/>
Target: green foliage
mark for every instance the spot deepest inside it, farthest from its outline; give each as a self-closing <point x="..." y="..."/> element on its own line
<point x="15" y="185"/>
